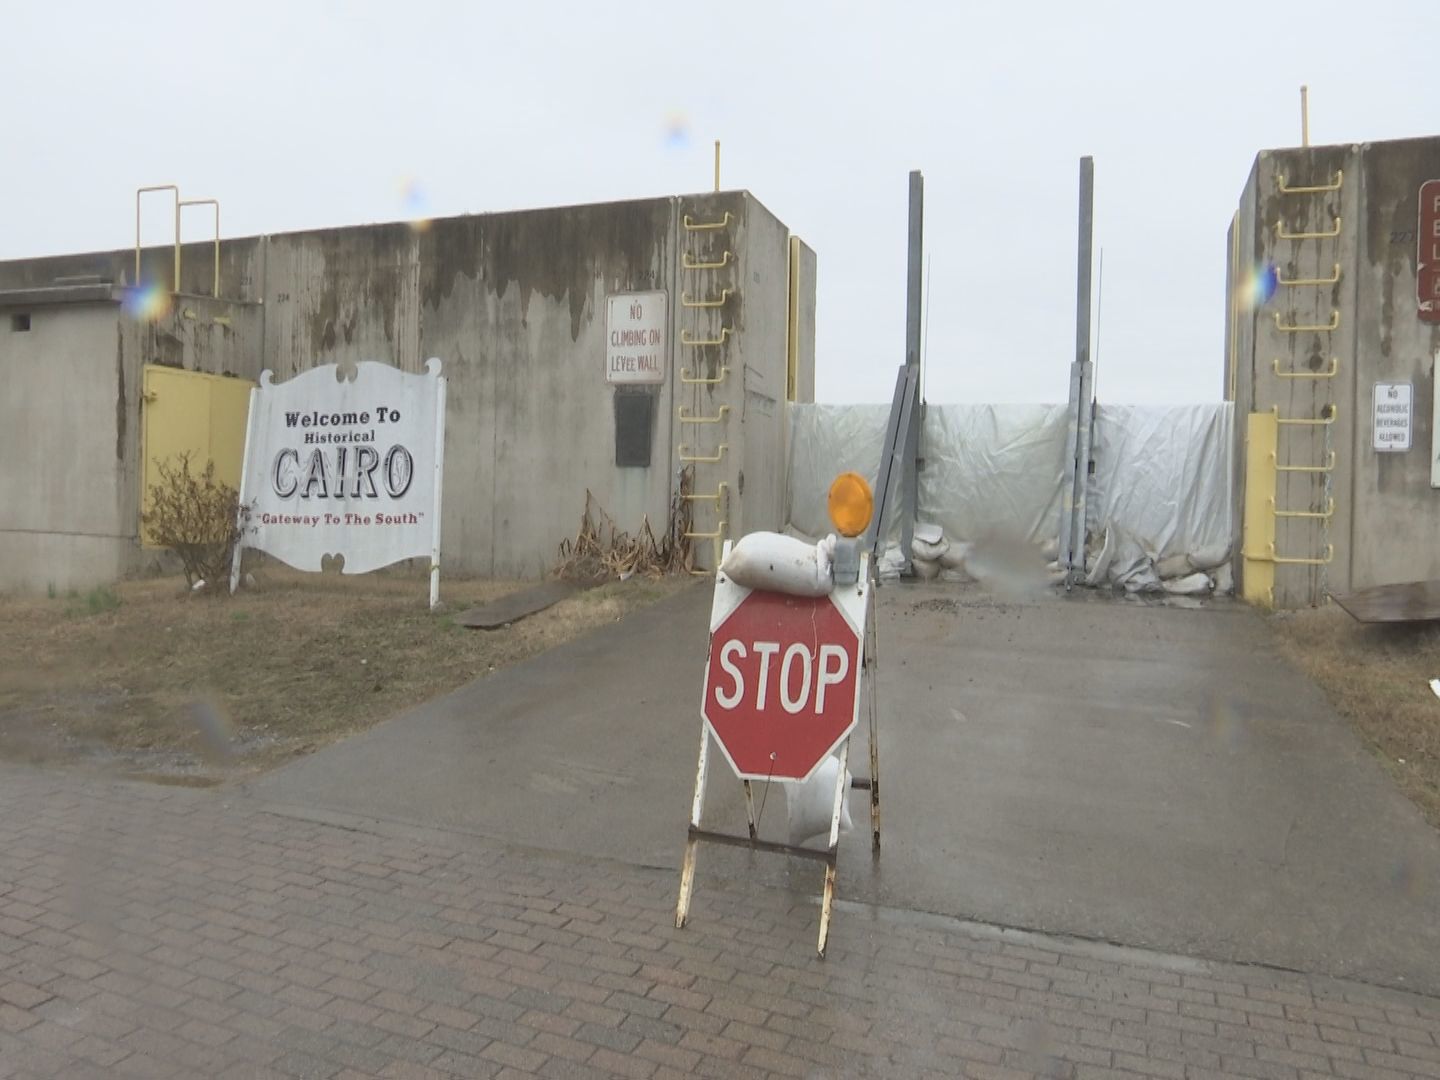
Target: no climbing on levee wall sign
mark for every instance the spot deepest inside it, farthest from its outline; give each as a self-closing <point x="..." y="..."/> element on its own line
<point x="345" y="463"/>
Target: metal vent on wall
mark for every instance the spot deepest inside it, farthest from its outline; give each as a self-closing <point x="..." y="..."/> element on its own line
<point x="634" y="427"/>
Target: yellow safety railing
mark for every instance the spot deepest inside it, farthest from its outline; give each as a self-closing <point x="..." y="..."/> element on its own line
<point x="1301" y="328"/>
<point x="1322" y="515"/>
<point x="720" y="453"/>
<point x="686" y="339"/>
<point x="721" y="493"/>
<point x="716" y="535"/>
<point x="1290" y="283"/>
<point x="696" y="380"/>
<point x="215" y="287"/>
<point x="698" y="226"/>
<point x="691" y="264"/>
<point x="1291" y="561"/>
<point x="1329" y="466"/>
<point x="1325" y="235"/>
<point x="138" y="193"/>
<point x="690" y="418"/>
<point x="1315" y="189"/>
<point x="1334" y="367"/>
<point x="719" y="301"/>
<point x="1326" y="418"/>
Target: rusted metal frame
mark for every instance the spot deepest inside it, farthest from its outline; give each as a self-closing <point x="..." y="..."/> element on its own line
<point x="869" y="665"/>
<point x="756" y="844"/>
<point x="827" y="900"/>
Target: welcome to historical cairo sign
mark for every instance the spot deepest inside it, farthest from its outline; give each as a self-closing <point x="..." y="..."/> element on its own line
<point x="345" y="466"/>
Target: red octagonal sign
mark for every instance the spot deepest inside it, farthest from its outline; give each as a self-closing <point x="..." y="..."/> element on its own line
<point x="782" y="685"/>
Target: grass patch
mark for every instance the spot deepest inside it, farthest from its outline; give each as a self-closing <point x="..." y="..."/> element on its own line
<point x="96" y="602"/>
<point x="292" y="665"/>
<point x="1378" y="677"/>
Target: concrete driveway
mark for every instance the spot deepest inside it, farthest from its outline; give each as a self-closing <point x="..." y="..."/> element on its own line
<point x="1144" y="775"/>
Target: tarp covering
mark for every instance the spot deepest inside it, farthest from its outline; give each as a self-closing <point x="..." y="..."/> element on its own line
<point x="1162" y="473"/>
<point x="826" y="440"/>
<point x="993" y="469"/>
<point x="1162" y="476"/>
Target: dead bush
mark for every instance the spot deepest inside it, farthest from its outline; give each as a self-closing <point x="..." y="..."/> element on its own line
<point x="198" y="518"/>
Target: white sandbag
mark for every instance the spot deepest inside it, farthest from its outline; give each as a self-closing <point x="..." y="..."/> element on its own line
<point x="1224" y="579"/>
<point x="1132" y="567"/>
<point x="891" y="563"/>
<point x="924" y="549"/>
<point x="926" y="569"/>
<point x="777" y="563"/>
<point x="1100" y="562"/>
<point x="1174" y="566"/>
<point x="1051" y="549"/>
<point x="1210" y="556"/>
<point x="956" y="554"/>
<point x="809" y="805"/>
<point x="930" y="534"/>
<point x="1194" y="585"/>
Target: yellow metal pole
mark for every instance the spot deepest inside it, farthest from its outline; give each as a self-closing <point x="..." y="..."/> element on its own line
<point x="138" y="193"/>
<point x="1235" y="307"/>
<point x="215" y="287"/>
<point x="717" y="164"/>
<point x="1304" y="116"/>
<point x="1258" y="526"/>
<point x="176" y="289"/>
<point x="792" y="336"/>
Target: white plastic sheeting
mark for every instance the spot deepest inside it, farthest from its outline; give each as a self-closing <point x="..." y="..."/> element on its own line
<point x="826" y="440"/>
<point x="1162" y="473"/>
<point x="993" y="470"/>
<point x="1162" y="476"/>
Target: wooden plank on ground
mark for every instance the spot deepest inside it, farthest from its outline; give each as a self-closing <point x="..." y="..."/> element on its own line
<point x="1411" y="601"/>
<point x="517" y="605"/>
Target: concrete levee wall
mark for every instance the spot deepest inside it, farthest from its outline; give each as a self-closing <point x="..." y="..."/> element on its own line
<point x="71" y="425"/>
<point x="1395" y="530"/>
<point x="64" y="520"/>
<point x="1343" y="248"/>
<point x="515" y="306"/>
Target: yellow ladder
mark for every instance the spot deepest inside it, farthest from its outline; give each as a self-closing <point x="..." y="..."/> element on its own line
<point x="1264" y="510"/>
<point x="701" y="423"/>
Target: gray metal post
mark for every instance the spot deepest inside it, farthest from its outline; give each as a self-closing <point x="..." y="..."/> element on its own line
<point x="914" y="324"/>
<point x="1082" y="378"/>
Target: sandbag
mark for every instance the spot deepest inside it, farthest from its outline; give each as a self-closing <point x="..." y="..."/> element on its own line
<point x="777" y="563"/>
<point x="930" y="534"/>
<point x="1051" y="549"/>
<point x="1209" y="556"/>
<point x="1100" y="561"/>
<point x="924" y="549"/>
<point x="926" y="569"/>
<point x="809" y="805"/>
<point x="1193" y="585"/>
<point x="891" y="563"/>
<point x="1224" y="579"/>
<point x="955" y="556"/>
<point x="1174" y="566"/>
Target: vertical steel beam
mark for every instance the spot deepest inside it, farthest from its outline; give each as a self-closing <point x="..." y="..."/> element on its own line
<point x="1082" y="376"/>
<point x="914" y="324"/>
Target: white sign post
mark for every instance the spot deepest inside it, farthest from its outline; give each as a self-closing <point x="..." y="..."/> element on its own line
<point x="349" y="467"/>
<point x="635" y="341"/>
<point x="1394" y="417"/>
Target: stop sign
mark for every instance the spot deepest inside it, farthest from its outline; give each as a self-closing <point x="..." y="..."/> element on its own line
<point x="782" y="684"/>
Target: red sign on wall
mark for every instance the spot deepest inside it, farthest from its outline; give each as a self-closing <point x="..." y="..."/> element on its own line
<point x="1427" y="268"/>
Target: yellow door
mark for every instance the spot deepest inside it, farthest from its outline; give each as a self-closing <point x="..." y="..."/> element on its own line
<point x="186" y="411"/>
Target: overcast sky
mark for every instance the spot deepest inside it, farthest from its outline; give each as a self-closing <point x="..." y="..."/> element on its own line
<point x="297" y="116"/>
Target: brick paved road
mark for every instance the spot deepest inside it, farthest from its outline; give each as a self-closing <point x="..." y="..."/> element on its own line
<point x="154" y="932"/>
